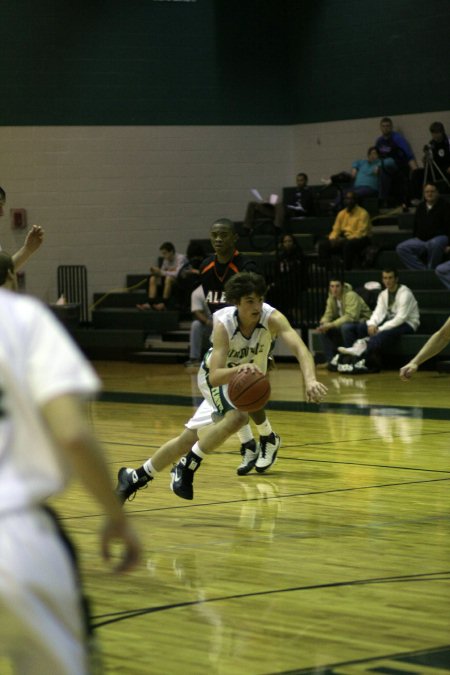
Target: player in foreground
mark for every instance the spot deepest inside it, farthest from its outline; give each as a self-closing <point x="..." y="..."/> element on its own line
<point x="242" y="338"/>
<point x="433" y="346"/>
<point x="45" y="438"/>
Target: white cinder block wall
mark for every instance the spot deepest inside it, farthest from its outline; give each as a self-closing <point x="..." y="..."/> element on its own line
<point x="108" y="196"/>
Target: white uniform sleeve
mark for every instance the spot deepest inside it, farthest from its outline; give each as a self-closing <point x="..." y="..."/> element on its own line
<point x="55" y="364"/>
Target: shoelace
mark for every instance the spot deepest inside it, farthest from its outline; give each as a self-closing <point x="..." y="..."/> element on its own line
<point x="133" y="494"/>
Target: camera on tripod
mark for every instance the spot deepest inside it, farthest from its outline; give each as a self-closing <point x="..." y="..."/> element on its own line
<point x="432" y="172"/>
<point x="428" y="152"/>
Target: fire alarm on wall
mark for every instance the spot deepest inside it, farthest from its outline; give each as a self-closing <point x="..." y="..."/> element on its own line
<point x="18" y="219"/>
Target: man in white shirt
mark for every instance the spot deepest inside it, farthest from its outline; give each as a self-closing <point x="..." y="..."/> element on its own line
<point x="396" y="313"/>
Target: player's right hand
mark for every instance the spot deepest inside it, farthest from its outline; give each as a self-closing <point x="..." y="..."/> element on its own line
<point x="315" y="391"/>
<point x="127" y="537"/>
<point x="408" y="371"/>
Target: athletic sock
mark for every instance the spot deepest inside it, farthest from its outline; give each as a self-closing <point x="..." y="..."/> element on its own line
<point x="264" y="429"/>
<point x="199" y="454"/>
<point x="149" y="469"/>
<point x="142" y="473"/>
<point x="245" y="434"/>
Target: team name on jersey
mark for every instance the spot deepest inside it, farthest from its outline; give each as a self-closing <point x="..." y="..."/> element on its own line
<point x="245" y="351"/>
<point x="215" y="297"/>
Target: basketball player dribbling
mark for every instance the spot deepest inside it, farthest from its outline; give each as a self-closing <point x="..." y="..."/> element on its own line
<point x="242" y="338"/>
<point x="215" y="271"/>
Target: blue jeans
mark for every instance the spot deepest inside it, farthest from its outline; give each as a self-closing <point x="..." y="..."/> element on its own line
<point x="382" y="341"/>
<point x="413" y="250"/>
<point x="443" y="272"/>
<point x="336" y="337"/>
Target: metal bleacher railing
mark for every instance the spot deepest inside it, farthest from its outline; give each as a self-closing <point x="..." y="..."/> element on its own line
<point x="300" y="293"/>
<point x="72" y="284"/>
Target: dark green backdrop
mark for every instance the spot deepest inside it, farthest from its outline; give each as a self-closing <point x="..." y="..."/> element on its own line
<point x="220" y="61"/>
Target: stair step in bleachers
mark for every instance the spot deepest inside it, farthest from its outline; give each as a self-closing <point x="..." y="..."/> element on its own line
<point x="389" y="240"/>
<point x="163" y="344"/>
<point x="151" y="322"/>
<point x="433" y="299"/>
<point x="318" y="226"/>
<point x="157" y="357"/>
<point x="432" y="319"/>
<point x="119" y="299"/>
<point x="133" y="280"/>
<point x="385" y="259"/>
<point x="405" y="221"/>
<point x="415" y="279"/>
<point x="110" y="343"/>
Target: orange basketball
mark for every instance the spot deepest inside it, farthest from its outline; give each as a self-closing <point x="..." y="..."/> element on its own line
<point x="249" y="391"/>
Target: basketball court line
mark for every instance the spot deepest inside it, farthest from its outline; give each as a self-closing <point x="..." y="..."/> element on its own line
<point x="396" y="663"/>
<point x="292" y="495"/>
<point x="114" y="617"/>
<point x="286" y="406"/>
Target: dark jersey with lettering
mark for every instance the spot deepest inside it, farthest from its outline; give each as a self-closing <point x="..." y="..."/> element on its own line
<point x="214" y="275"/>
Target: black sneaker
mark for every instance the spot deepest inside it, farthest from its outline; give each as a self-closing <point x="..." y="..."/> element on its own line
<point x="269" y="450"/>
<point x="249" y="452"/>
<point x="128" y="483"/>
<point x="183" y="477"/>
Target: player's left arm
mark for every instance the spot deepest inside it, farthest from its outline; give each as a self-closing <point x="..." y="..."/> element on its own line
<point x="280" y="326"/>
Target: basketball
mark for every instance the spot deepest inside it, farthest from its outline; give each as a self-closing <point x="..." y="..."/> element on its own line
<point x="249" y="391"/>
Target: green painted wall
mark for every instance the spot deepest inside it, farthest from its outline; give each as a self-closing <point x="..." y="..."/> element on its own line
<point x="220" y="61"/>
<point x="365" y="58"/>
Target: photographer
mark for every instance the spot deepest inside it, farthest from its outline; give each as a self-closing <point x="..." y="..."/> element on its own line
<point x="436" y="162"/>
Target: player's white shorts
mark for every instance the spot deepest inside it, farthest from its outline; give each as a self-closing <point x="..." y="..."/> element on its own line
<point x="42" y="627"/>
<point x="216" y="402"/>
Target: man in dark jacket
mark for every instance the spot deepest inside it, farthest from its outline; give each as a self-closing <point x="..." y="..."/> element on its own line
<point x="431" y="232"/>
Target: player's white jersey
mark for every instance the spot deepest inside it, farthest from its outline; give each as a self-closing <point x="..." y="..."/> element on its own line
<point x="254" y="349"/>
<point x="38" y="362"/>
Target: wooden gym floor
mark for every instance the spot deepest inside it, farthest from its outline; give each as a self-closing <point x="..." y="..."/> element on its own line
<point x="335" y="561"/>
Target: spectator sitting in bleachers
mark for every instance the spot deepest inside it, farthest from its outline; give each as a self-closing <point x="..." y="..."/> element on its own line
<point x="163" y="277"/>
<point x="436" y="162"/>
<point x="350" y="234"/>
<point x="396" y="314"/>
<point x="344" y="308"/>
<point x="363" y="179"/>
<point x="394" y="182"/>
<point x="301" y="205"/>
<point x="365" y="173"/>
<point x="431" y="232"/>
